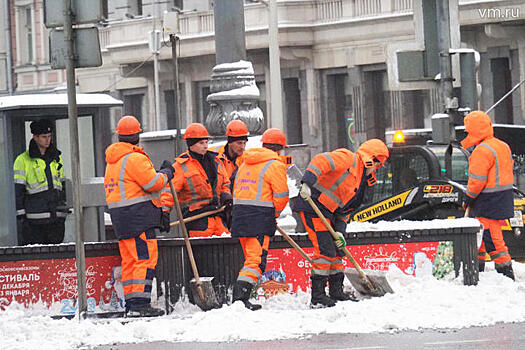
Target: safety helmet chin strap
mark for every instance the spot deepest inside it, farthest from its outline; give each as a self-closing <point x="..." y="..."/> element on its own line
<point x="371" y="179"/>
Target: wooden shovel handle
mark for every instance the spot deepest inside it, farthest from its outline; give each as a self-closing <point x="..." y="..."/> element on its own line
<point x="344" y="249"/>
<point x="295" y="245"/>
<point x="198" y="216"/>
<point x="187" y="240"/>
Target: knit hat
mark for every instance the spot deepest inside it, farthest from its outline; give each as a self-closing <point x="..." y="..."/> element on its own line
<point x="237" y="138"/>
<point x="192" y="141"/>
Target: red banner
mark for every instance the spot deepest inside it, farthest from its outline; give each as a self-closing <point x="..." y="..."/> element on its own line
<point x="411" y="258"/>
<point x="55" y="280"/>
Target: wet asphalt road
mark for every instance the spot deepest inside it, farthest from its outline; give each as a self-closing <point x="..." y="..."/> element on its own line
<point x="499" y="337"/>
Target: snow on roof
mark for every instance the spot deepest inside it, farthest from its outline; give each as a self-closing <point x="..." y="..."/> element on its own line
<point x="458" y="127"/>
<point x="161" y="134"/>
<point x="56" y="100"/>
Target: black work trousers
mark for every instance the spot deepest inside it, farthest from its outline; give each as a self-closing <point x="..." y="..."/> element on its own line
<point x="52" y="233"/>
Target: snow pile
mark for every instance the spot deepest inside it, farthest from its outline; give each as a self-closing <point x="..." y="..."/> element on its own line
<point x="408" y="225"/>
<point x="416" y="304"/>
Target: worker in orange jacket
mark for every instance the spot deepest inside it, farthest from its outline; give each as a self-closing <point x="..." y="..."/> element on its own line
<point x="336" y="181"/>
<point x="231" y="153"/>
<point x="133" y="196"/>
<point x="259" y="196"/>
<point x="489" y="190"/>
<point x="201" y="183"/>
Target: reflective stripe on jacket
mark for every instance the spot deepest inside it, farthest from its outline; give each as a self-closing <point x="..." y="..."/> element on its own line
<point x="491" y="180"/>
<point x="193" y="187"/>
<point x="132" y="190"/>
<point x="260" y="193"/>
<point x="335" y="176"/>
<point x="41" y="195"/>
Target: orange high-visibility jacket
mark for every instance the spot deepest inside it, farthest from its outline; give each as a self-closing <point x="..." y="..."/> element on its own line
<point x="491" y="178"/>
<point x="132" y="190"/>
<point x="336" y="176"/>
<point x="260" y="193"/>
<point x="230" y="166"/>
<point x="193" y="187"/>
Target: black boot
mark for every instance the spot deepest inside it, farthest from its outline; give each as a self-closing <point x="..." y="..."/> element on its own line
<point x="481" y="265"/>
<point x="336" y="288"/>
<point x="145" y="310"/>
<point x="242" y="291"/>
<point x="319" y="297"/>
<point x="507" y="271"/>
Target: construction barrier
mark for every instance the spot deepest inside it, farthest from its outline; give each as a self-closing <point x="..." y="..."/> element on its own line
<point x="48" y="273"/>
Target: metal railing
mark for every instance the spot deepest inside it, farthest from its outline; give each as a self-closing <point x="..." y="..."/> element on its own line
<point x="201" y="23"/>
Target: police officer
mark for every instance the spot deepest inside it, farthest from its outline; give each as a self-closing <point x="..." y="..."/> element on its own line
<point x="259" y="196"/>
<point x="39" y="187"/>
<point x="336" y="182"/>
<point x="489" y="189"/>
<point x="133" y="195"/>
<point x="201" y="183"/>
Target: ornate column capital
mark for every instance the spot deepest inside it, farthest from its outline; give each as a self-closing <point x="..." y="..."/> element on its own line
<point x="234" y="95"/>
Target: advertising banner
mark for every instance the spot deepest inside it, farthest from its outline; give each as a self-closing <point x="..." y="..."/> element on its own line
<point x="288" y="267"/>
<point x="54" y="281"/>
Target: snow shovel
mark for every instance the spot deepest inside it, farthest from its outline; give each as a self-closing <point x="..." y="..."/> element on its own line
<point x="375" y="284"/>
<point x="295" y="245"/>
<point x="198" y="216"/>
<point x="202" y="289"/>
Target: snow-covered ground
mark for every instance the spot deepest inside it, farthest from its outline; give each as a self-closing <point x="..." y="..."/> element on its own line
<point x="417" y="303"/>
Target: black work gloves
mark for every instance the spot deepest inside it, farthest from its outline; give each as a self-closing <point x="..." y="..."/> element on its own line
<point x="226" y="200"/>
<point x="167" y="169"/>
<point x="165" y="222"/>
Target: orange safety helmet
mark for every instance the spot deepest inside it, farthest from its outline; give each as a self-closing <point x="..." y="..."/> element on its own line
<point x="237" y="128"/>
<point x="274" y="136"/>
<point x="128" y="125"/>
<point x="196" y="131"/>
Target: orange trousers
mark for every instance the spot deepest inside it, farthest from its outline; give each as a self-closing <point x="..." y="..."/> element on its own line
<point x="255" y="251"/>
<point x="493" y="242"/>
<point x="327" y="258"/>
<point x="139" y="258"/>
<point x="207" y="227"/>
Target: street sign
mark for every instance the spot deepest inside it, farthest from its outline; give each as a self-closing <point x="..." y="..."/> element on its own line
<point x="84" y="11"/>
<point x="86" y="50"/>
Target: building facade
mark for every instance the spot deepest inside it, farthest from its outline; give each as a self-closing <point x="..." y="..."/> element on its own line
<point x="334" y="57"/>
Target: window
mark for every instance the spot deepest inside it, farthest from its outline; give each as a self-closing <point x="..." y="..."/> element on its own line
<point x="29" y="34"/>
<point x="169" y="98"/>
<point x="292" y="106"/>
<point x="459" y="163"/>
<point x="134" y="8"/>
<point x="203" y="107"/>
<point x="501" y="84"/>
<point x="25" y="34"/>
<point x="105" y="10"/>
<point x="402" y="171"/>
<point x="133" y="105"/>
